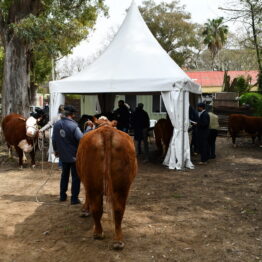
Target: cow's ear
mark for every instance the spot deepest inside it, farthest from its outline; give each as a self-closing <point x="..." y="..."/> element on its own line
<point x="94" y="120"/>
<point x="114" y="123"/>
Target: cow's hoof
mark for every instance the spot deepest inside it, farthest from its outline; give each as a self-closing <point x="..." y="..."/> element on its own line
<point x="85" y="213"/>
<point x="99" y="236"/>
<point x="33" y="166"/>
<point x="21" y="167"/>
<point x="119" y="245"/>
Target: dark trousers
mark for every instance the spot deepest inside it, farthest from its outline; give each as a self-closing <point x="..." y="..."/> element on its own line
<point x="194" y="144"/>
<point x="75" y="187"/>
<point x="212" y="143"/>
<point x="141" y="135"/>
<point x="202" y="137"/>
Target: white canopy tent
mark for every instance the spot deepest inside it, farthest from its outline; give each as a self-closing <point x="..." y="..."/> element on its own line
<point x="135" y="62"/>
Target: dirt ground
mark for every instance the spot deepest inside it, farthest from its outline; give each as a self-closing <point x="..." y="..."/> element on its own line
<point x="212" y="213"/>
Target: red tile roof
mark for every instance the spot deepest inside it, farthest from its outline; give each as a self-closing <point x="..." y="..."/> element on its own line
<point x="216" y="78"/>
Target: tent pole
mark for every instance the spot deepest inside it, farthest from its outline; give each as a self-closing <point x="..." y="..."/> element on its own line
<point x="183" y="130"/>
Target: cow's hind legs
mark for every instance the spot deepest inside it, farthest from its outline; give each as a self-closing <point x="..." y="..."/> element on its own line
<point x="96" y="206"/>
<point x="119" y="209"/>
<point x="234" y="140"/>
<point x="85" y="208"/>
<point x="20" y="156"/>
<point x="10" y="151"/>
<point x="32" y="155"/>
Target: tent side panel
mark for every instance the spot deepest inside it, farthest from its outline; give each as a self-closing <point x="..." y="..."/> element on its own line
<point x="88" y="104"/>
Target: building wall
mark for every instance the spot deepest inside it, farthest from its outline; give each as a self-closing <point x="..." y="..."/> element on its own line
<point x="218" y="89"/>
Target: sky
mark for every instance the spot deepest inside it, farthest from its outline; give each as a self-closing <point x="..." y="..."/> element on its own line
<point x="200" y="10"/>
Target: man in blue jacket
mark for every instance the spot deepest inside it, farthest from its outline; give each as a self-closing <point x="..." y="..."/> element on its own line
<point x="66" y="137"/>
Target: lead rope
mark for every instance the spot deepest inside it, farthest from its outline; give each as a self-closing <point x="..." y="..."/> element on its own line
<point x="41" y="147"/>
<point x="49" y="175"/>
<point x="41" y="187"/>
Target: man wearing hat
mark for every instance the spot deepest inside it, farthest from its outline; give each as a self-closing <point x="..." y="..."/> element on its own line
<point x="202" y="132"/>
<point x="66" y="137"/>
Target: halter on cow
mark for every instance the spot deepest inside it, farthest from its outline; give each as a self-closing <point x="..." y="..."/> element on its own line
<point x="31" y="127"/>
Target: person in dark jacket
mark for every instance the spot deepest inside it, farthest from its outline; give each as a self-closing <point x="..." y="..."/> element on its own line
<point x="66" y="137"/>
<point x="193" y="118"/>
<point x="203" y="132"/>
<point x="122" y="115"/>
<point x="141" y="123"/>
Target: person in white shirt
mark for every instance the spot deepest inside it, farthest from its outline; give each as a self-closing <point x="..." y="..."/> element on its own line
<point x="53" y="120"/>
<point x="213" y="129"/>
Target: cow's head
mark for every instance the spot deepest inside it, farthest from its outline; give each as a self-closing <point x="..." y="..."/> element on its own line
<point x="103" y="121"/>
<point x="31" y="127"/>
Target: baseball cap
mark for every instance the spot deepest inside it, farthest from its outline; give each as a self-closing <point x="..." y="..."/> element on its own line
<point x="69" y="109"/>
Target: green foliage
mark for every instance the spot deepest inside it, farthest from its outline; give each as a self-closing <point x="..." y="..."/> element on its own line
<point x="215" y="35"/>
<point x="171" y="26"/>
<point x="241" y="84"/>
<point x="254" y="100"/>
<point x="41" y="68"/>
<point x="59" y="27"/>
<point x="249" y="14"/>
<point x="50" y="28"/>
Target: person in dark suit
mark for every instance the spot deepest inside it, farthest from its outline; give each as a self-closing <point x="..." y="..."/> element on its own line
<point x="202" y="130"/>
<point x="140" y="122"/>
<point x="122" y="116"/>
<point x="193" y="118"/>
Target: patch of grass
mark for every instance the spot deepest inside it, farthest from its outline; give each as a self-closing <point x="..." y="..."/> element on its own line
<point x="177" y="196"/>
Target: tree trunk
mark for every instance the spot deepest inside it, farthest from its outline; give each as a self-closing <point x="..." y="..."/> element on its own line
<point x="16" y="83"/>
<point x="254" y="30"/>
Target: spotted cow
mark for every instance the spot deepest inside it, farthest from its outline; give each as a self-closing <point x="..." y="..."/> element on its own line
<point x="21" y="134"/>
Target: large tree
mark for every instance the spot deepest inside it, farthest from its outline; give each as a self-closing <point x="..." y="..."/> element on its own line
<point x="215" y="35"/>
<point x="30" y="29"/>
<point x="249" y="13"/>
<point x="171" y="26"/>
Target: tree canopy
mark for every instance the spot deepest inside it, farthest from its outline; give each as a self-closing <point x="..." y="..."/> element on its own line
<point x="215" y="35"/>
<point x="171" y="26"/>
<point x="249" y="13"/>
<point x="41" y="29"/>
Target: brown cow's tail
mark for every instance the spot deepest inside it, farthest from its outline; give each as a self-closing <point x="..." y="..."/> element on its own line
<point x="108" y="185"/>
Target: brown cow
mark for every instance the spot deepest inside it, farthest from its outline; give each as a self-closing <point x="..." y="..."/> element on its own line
<point x="238" y="123"/>
<point x="21" y="133"/>
<point x="106" y="164"/>
<point x="163" y="133"/>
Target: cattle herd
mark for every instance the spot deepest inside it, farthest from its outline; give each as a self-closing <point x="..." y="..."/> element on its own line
<point x="106" y="159"/>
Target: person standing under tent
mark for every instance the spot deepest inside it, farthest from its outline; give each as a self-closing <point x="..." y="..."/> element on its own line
<point x="122" y="115"/>
<point x="202" y="133"/>
<point x="51" y="123"/>
<point x="193" y="118"/>
<point x="54" y="119"/>
<point x="213" y="130"/>
<point x="66" y="137"/>
<point x="141" y="123"/>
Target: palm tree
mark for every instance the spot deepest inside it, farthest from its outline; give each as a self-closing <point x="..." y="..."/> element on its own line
<point x="215" y="36"/>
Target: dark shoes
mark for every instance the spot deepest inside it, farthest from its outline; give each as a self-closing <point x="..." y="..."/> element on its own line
<point x="63" y="199"/>
<point x="75" y="202"/>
